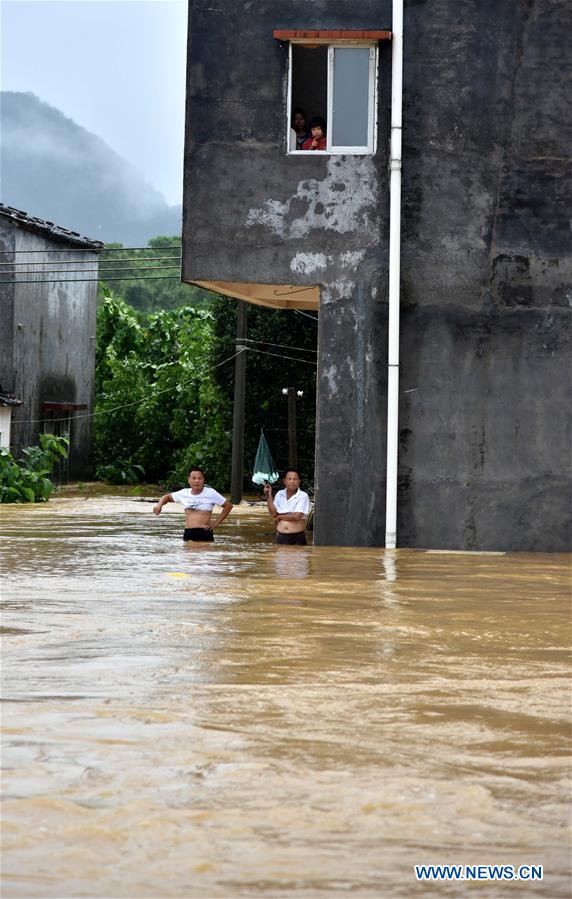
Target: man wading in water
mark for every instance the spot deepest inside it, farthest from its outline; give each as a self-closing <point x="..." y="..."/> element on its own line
<point x="289" y="509"/>
<point x="197" y="501"/>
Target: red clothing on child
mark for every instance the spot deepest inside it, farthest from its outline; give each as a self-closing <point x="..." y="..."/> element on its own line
<point x="307" y="145"/>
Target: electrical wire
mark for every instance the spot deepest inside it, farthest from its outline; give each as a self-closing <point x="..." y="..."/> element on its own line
<point x="102" y="269"/>
<point x="105" y="278"/>
<point x="199" y="374"/>
<point x="284" y="346"/>
<point x="291" y="290"/>
<point x="93" y="280"/>
<point x="93" y="271"/>
<point x="101" y="249"/>
<point x="307" y="314"/>
<point x="205" y="371"/>
<point x="252" y="349"/>
<point x="100" y="262"/>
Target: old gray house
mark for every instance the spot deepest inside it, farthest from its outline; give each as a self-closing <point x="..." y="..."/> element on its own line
<point x="486" y="262"/>
<point x="48" y="289"/>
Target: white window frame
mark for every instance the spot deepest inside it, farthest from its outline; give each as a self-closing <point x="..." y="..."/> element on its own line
<point x="370" y="148"/>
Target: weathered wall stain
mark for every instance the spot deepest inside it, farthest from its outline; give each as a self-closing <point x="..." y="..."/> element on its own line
<point x="315" y="206"/>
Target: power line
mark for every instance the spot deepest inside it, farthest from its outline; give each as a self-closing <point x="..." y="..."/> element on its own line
<point x="131" y="268"/>
<point x="285" y="346"/>
<point x="115" y="264"/>
<point x="93" y="271"/>
<point x="199" y="374"/>
<point x="252" y="349"/>
<point x="313" y="317"/>
<point x="94" y="280"/>
<point x="100" y="262"/>
<point x="291" y="290"/>
<point x="102" y="249"/>
<point x="103" y="277"/>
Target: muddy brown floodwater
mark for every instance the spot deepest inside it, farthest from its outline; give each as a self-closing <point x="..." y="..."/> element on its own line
<point x="246" y="720"/>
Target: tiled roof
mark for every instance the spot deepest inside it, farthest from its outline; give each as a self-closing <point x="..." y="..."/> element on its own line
<point x="8" y="399"/>
<point x="49" y="229"/>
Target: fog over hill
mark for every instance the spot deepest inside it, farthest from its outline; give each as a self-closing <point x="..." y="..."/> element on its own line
<point x="53" y="168"/>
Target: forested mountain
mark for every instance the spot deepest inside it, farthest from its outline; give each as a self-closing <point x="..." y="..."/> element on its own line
<point x="53" y="168"/>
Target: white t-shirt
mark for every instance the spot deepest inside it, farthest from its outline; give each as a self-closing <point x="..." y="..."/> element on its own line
<point x="201" y="502"/>
<point x="299" y="502"/>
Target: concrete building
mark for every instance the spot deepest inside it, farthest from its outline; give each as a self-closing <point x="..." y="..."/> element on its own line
<point x="486" y="258"/>
<point x="48" y="289"/>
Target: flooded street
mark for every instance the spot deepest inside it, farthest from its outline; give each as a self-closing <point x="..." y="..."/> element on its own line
<point x="245" y="720"/>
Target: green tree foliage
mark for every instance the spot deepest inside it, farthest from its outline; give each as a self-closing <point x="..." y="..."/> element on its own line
<point x="150" y="278"/>
<point x="26" y="480"/>
<point x="156" y="406"/>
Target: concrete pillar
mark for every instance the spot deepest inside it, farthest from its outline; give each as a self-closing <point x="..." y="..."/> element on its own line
<point x="351" y="421"/>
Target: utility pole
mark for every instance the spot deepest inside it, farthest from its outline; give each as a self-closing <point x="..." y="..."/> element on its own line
<point x="292" y="393"/>
<point x="237" y="466"/>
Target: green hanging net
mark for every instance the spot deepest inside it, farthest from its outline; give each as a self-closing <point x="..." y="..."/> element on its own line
<point x="264" y="470"/>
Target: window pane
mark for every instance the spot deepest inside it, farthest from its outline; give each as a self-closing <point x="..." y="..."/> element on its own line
<point x="351" y="96"/>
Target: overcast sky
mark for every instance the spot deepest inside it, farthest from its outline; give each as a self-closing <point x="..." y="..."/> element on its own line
<point x="117" y="67"/>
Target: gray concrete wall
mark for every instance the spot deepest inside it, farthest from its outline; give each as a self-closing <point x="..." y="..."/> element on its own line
<point x="53" y="346"/>
<point x="485" y="422"/>
<point x="485" y="459"/>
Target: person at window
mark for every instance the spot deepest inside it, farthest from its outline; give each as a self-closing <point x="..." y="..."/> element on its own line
<point x="299" y="132"/>
<point x="317" y="139"/>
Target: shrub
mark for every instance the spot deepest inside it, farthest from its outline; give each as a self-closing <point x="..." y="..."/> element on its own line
<point x="120" y="473"/>
<point x="26" y="480"/>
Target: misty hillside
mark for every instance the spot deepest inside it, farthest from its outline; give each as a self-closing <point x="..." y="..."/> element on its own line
<point x="54" y="169"/>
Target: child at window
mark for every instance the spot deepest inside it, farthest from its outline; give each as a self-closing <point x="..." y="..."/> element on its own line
<point x="317" y="141"/>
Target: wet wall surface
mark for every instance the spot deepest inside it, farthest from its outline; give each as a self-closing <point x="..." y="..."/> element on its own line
<point x="486" y="265"/>
<point x="47" y="344"/>
<point x="246" y="720"/>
